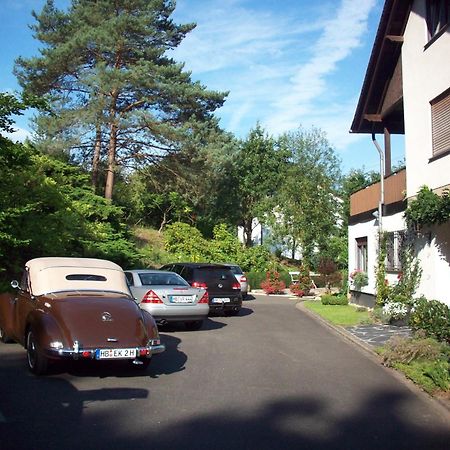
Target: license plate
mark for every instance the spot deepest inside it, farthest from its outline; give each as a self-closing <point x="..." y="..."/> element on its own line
<point x="221" y="300"/>
<point x="181" y="299"/>
<point x="115" y="353"/>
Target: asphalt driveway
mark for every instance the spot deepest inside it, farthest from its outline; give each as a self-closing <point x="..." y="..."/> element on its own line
<point x="270" y="378"/>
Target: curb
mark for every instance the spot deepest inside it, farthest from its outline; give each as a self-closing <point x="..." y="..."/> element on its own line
<point x="438" y="403"/>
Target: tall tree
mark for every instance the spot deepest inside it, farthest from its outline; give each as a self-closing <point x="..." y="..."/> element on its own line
<point x="308" y="208"/>
<point x="114" y="90"/>
<point x="258" y="171"/>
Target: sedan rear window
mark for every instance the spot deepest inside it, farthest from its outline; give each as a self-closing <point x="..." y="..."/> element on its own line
<point x="161" y="279"/>
<point x="85" y="277"/>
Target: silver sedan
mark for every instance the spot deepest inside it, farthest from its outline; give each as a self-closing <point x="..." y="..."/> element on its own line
<point x="168" y="297"/>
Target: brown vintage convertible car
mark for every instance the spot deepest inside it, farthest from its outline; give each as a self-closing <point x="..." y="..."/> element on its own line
<point x="77" y="308"/>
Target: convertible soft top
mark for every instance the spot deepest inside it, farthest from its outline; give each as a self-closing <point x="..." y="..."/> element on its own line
<point x="55" y="274"/>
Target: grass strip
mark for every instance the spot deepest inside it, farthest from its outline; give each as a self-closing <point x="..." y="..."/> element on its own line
<point x="346" y="316"/>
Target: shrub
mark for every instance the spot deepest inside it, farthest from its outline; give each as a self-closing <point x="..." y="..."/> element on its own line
<point x="423" y="360"/>
<point x="272" y="284"/>
<point x="329" y="273"/>
<point x="329" y="299"/>
<point x="431" y="316"/>
<point x="296" y="290"/>
<point x="405" y="350"/>
<point x="395" y="310"/>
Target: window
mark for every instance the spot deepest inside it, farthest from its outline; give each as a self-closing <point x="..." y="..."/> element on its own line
<point x="437" y="16"/>
<point x="361" y="254"/>
<point x="394" y="247"/>
<point x="85" y="277"/>
<point x="440" y="123"/>
<point x="129" y="277"/>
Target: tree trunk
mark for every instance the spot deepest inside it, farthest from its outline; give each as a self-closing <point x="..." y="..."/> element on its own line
<point x="111" y="162"/>
<point x="96" y="157"/>
<point x="247" y="226"/>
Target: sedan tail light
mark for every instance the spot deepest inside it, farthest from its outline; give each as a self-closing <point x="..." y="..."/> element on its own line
<point x="199" y="284"/>
<point x="243" y="279"/>
<point x="236" y="286"/>
<point x="151" y="297"/>
<point x="205" y="298"/>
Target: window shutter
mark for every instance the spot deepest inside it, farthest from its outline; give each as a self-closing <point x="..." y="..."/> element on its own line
<point x="440" y="120"/>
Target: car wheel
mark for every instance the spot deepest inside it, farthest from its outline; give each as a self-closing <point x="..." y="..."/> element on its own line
<point x="194" y="325"/>
<point x="37" y="362"/>
<point x="4" y="337"/>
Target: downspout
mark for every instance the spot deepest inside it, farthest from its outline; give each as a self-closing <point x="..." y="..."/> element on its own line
<point x="381" y="203"/>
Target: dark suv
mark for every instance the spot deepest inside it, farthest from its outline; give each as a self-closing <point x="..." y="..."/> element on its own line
<point x="224" y="290"/>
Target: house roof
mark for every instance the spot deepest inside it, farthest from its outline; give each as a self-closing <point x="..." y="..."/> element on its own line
<point x="380" y="103"/>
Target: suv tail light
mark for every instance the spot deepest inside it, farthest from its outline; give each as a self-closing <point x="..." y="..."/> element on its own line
<point x="205" y="298"/>
<point x="151" y="297"/>
<point x="243" y="279"/>
<point x="199" y="284"/>
<point x="236" y="286"/>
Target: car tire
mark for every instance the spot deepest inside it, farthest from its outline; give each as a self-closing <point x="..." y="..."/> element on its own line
<point x="194" y="325"/>
<point x="37" y="362"/>
<point x="4" y="337"/>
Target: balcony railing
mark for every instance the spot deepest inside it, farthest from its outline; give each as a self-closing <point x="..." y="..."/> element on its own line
<point x="366" y="200"/>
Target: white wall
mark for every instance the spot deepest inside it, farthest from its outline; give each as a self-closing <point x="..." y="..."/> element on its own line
<point x="426" y="74"/>
<point x="370" y="230"/>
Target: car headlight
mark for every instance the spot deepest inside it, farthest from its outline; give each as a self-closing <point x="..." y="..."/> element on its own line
<point x="57" y="345"/>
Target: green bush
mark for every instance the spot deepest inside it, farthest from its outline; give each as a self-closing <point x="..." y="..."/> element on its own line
<point x="405" y="350"/>
<point x="431" y="316"/>
<point x="430" y="375"/>
<point x="422" y="359"/>
<point x="255" y="278"/>
<point x="329" y="299"/>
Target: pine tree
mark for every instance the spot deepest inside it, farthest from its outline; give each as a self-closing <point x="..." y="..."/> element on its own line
<point x="116" y="96"/>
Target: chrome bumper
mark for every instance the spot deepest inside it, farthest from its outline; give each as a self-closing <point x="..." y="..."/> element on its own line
<point x="89" y="353"/>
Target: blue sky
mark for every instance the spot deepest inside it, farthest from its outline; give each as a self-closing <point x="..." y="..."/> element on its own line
<point x="286" y="64"/>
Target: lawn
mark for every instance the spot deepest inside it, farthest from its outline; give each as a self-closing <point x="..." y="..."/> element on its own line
<point x="339" y="315"/>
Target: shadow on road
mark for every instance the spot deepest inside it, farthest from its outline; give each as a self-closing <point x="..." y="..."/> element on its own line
<point x="51" y="411"/>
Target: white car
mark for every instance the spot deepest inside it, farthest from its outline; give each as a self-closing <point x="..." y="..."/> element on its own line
<point x="240" y="277"/>
<point x="168" y="297"/>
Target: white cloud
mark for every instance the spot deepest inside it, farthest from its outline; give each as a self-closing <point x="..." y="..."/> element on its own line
<point x="19" y="134"/>
<point x="340" y="36"/>
<point x="280" y="66"/>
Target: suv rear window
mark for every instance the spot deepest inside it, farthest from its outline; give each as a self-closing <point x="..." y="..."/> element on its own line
<point x="213" y="273"/>
<point x="236" y="270"/>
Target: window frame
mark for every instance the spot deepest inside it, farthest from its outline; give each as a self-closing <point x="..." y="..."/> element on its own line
<point x="393" y="262"/>
<point x="362" y="253"/>
<point x="440" y="125"/>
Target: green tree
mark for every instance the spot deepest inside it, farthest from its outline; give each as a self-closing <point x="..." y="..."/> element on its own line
<point x="114" y="91"/>
<point x="47" y="207"/>
<point x="256" y="175"/>
<point x="308" y="207"/>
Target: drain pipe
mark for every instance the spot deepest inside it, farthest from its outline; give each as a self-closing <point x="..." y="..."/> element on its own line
<point x="381" y="202"/>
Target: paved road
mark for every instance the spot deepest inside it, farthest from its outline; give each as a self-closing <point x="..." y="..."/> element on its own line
<point x="271" y="378"/>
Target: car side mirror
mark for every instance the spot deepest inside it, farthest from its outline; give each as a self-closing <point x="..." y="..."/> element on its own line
<point x="14" y="284"/>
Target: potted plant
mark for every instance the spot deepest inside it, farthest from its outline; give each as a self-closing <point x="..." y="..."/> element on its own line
<point x="359" y="279"/>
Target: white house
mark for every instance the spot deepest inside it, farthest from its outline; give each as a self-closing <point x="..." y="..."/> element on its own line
<point x="406" y="90"/>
